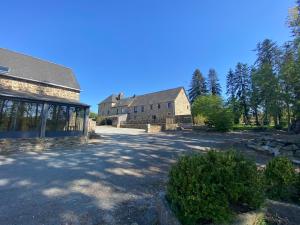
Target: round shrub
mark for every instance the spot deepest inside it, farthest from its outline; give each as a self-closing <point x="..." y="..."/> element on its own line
<point x="280" y="178"/>
<point x="206" y="188"/>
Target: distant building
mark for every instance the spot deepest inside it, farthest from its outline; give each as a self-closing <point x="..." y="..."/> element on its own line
<point x="148" y="108"/>
<point x="38" y="99"/>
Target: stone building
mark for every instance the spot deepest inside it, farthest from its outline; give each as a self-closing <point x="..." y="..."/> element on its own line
<point x="147" y="108"/>
<point x="38" y="99"/>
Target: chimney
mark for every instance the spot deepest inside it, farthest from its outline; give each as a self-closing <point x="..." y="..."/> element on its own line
<point x="120" y="95"/>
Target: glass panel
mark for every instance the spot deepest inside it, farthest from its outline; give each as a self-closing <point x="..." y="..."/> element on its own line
<point x="79" y="119"/>
<point x="19" y="115"/>
<point x="57" y="118"/>
<point x="28" y="116"/>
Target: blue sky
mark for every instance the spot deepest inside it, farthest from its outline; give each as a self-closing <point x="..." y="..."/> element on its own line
<point x="140" y="46"/>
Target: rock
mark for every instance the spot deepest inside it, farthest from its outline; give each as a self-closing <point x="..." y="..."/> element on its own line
<point x="291" y="147"/>
<point x="296" y="162"/>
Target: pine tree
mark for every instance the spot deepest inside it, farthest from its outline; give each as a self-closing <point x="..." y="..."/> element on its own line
<point x="288" y="79"/>
<point x="198" y="86"/>
<point x="266" y="79"/>
<point x="214" y="84"/>
<point x="231" y="93"/>
<point x="242" y="89"/>
<point x="254" y="97"/>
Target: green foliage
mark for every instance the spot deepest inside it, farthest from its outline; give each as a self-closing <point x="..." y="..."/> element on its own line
<point x="204" y="188"/>
<point x="211" y="107"/>
<point x="280" y="178"/>
<point x="200" y="120"/>
<point x="93" y="116"/>
<point x="198" y="86"/>
<point x="213" y="83"/>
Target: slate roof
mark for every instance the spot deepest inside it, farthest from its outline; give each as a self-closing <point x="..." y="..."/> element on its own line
<point x="124" y="102"/>
<point x="157" y="97"/>
<point x="35" y="97"/>
<point x="146" y="99"/>
<point x="110" y="99"/>
<point x="29" y="68"/>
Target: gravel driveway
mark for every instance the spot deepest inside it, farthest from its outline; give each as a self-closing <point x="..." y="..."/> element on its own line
<point x="111" y="182"/>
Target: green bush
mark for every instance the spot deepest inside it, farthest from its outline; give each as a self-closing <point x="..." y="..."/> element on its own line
<point x="206" y="188"/>
<point x="211" y="108"/>
<point x="280" y="178"/>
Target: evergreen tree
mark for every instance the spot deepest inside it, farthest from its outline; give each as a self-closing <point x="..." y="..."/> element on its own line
<point x="265" y="79"/>
<point x="214" y="84"/>
<point x="242" y="89"/>
<point x="287" y="80"/>
<point x="254" y="97"/>
<point x="231" y="93"/>
<point x="198" y="86"/>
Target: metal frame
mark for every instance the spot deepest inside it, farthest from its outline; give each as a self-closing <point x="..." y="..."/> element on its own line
<point x="41" y="131"/>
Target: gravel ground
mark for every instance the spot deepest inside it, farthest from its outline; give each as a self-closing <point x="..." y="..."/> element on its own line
<point x="113" y="181"/>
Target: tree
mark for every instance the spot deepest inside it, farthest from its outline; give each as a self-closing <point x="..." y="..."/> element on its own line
<point x="213" y="81"/>
<point x="242" y="89"/>
<point x="265" y="79"/>
<point x="211" y="107"/>
<point x="198" y="86"/>
<point x="254" y="97"/>
<point x="231" y="93"/>
<point x="294" y="20"/>
<point x="288" y="79"/>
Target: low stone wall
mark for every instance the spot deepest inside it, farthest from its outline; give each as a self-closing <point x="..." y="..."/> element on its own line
<point x="134" y="126"/>
<point x="153" y="128"/>
<point x="92" y="125"/>
<point x="11" y="145"/>
<point x="275" y="146"/>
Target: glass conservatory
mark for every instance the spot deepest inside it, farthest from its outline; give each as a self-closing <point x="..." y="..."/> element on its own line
<point x="24" y="115"/>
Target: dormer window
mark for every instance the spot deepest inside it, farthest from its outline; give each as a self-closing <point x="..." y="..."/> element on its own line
<point x="4" y="70"/>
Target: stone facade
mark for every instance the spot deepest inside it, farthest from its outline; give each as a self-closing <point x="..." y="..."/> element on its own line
<point x="39" y="144"/>
<point x="150" y="108"/>
<point x="39" y="88"/>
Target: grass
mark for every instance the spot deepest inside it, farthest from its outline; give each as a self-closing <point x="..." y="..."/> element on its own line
<point x="241" y="127"/>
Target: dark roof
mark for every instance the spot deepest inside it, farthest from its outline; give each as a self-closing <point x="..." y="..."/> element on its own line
<point x="30" y="68"/>
<point x="157" y="97"/>
<point x="30" y="96"/>
<point x="124" y="102"/>
<point x="110" y="99"/>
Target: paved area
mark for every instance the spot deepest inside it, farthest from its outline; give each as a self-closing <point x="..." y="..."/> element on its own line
<point x="114" y="181"/>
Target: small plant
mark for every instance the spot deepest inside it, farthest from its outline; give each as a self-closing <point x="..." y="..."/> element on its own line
<point x="206" y="188"/>
<point x="280" y="178"/>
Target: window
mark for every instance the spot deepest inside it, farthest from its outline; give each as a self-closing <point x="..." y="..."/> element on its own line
<point x="4" y="70"/>
<point x="142" y="108"/>
<point x="76" y="118"/>
<point x="57" y="118"/>
<point x="19" y="115"/>
<point x="158" y="106"/>
<point x="151" y="106"/>
<point x="64" y="118"/>
<point x="169" y="105"/>
<point x="117" y="111"/>
<point x="135" y="109"/>
<point x="154" y="117"/>
<point x="107" y="112"/>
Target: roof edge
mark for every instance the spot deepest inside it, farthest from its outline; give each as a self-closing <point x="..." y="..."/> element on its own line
<point x="41" y="82"/>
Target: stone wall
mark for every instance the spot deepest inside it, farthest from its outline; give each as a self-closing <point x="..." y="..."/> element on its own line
<point x="182" y="104"/>
<point x="154" y="128"/>
<point x="92" y="125"/>
<point x="10" y="145"/>
<point x="38" y="88"/>
<point x="147" y="116"/>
